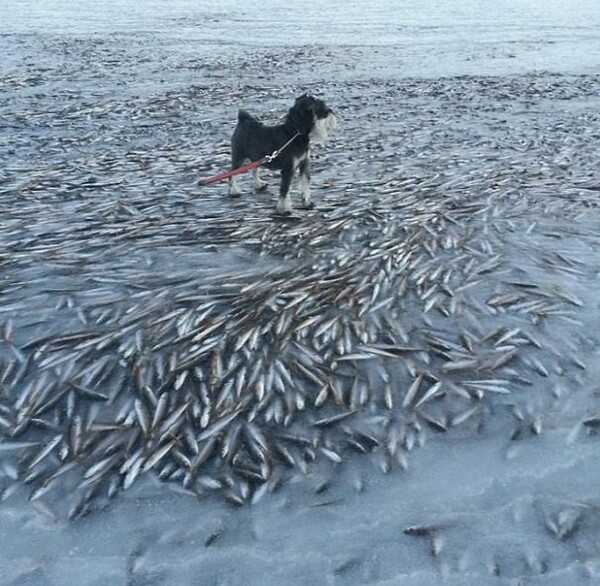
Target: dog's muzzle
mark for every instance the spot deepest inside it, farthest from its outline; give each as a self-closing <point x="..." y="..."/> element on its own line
<point x="324" y="127"/>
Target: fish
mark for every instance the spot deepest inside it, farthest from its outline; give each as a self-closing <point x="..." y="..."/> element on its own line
<point x="334" y="418"/>
<point x="214" y="356"/>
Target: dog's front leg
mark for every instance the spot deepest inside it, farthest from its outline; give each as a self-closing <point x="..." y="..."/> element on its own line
<point x="304" y="167"/>
<point x="284" y="205"/>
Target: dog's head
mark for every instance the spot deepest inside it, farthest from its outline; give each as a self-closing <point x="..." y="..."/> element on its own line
<point x="312" y="117"/>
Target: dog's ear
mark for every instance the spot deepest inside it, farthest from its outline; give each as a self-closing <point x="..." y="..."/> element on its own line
<point x="306" y="102"/>
<point x="303" y="99"/>
<point x="302" y="114"/>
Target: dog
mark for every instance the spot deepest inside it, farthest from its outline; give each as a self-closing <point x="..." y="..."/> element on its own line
<point x="308" y="119"/>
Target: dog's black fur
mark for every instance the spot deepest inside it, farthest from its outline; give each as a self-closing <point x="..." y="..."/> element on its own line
<point x="310" y="118"/>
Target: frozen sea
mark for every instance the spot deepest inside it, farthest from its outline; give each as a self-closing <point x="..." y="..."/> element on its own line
<point x="451" y="89"/>
<point x="430" y="38"/>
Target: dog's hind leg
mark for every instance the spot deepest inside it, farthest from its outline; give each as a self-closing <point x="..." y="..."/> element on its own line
<point x="259" y="184"/>
<point x="284" y="205"/>
<point x="234" y="189"/>
<point x="307" y="202"/>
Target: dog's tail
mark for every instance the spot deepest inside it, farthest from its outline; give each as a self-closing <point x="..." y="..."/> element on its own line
<point x="246" y="118"/>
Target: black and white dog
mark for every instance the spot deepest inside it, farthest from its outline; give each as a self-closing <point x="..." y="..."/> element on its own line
<point x="308" y="119"/>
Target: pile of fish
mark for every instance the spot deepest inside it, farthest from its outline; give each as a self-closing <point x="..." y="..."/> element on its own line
<point x="154" y="327"/>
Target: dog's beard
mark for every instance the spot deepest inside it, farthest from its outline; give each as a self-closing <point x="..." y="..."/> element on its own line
<point x="323" y="128"/>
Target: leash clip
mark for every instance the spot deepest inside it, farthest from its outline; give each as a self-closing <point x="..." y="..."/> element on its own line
<point x="270" y="158"/>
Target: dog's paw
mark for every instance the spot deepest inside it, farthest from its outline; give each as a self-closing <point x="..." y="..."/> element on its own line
<point x="283" y="210"/>
<point x="235" y="193"/>
<point x="283" y="207"/>
<point x="307" y="206"/>
<point x="261" y="186"/>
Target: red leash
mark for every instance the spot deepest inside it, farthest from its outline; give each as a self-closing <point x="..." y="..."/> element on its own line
<point x="227" y="174"/>
<point x="247" y="166"/>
